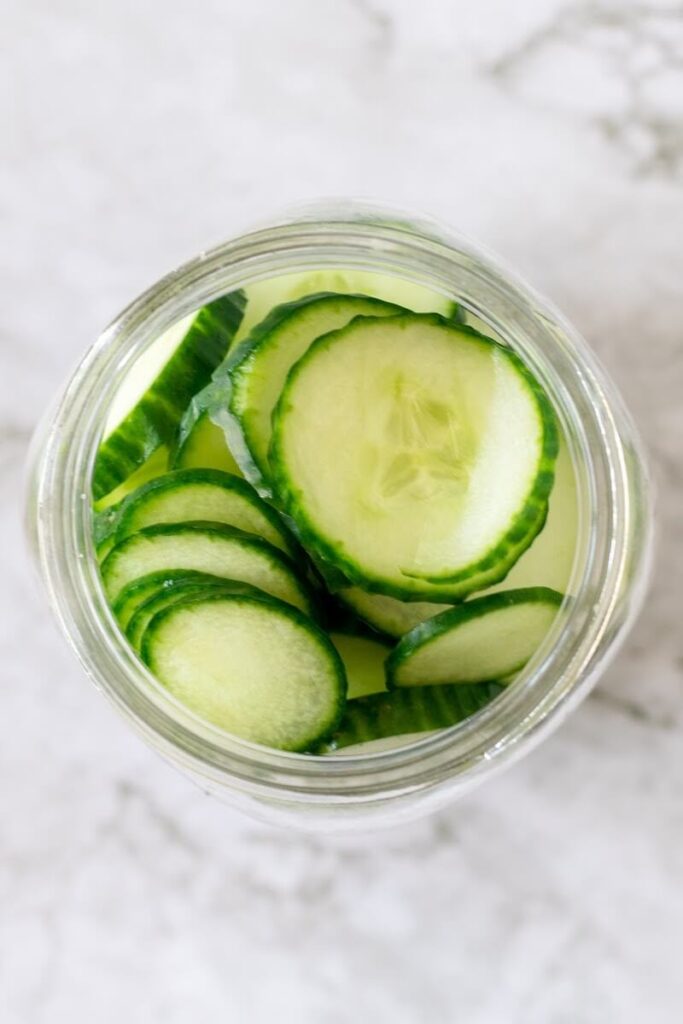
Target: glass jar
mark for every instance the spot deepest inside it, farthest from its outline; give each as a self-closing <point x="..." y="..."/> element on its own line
<point x="610" y="570"/>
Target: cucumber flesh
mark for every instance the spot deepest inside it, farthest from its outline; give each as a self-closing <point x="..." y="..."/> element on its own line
<point x="549" y="561"/>
<point x="202" y="445"/>
<point x="255" y="668"/>
<point x="263" y="296"/>
<point x="388" y="614"/>
<point x="414" y="455"/>
<point x="206" y="494"/>
<point x="204" y="547"/>
<point x="183" y="591"/>
<point x="155" y="465"/>
<point x="260" y="366"/>
<point x="146" y="410"/>
<point x="142" y="588"/>
<point x="364" y="660"/>
<point x="487" y="638"/>
<point x="407" y="712"/>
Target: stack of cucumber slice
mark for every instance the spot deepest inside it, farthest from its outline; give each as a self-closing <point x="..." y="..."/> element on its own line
<point x="305" y="518"/>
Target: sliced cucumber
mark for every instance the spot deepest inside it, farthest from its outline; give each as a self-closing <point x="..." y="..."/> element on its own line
<point x="142" y="588"/>
<point x="144" y="415"/>
<point x="204" y="547"/>
<point x="206" y="494"/>
<point x="182" y="591"/>
<point x="201" y="444"/>
<point x="405" y="712"/>
<point x="487" y="638"/>
<point x="260" y="366"/>
<point x="255" y="668"/>
<point x="263" y="296"/>
<point x="363" y="659"/>
<point x="414" y="455"/>
<point x="548" y="562"/>
<point x="388" y="614"/>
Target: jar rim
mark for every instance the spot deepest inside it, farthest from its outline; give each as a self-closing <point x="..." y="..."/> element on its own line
<point x="601" y="436"/>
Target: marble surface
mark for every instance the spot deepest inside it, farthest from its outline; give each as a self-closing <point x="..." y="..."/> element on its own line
<point x="134" y="135"/>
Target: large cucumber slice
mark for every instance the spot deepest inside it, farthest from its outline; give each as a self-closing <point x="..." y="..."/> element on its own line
<point x="260" y="366"/>
<point x="204" y="547"/>
<point x="414" y="455"/>
<point x="182" y="591"/>
<point x="145" y="413"/>
<point x="142" y="588"/>
<point x="255" y="668"/>
<point x="364" y="659"/>
<point x="263" y="296"/>
<point x="206" y="494"/>
<point x="404" y="712"/>
<point x="488" y="638"/>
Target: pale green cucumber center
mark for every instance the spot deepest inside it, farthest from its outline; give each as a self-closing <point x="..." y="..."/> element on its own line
<point x="206" y="448"/>
<point x="258" y="675"/>
<point x="364" y="663"/>
<point x="388" y="613"/>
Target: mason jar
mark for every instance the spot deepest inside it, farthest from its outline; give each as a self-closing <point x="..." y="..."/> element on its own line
<point x="366" y="789"/>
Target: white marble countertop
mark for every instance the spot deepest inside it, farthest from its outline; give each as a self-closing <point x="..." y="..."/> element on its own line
<point x="134" y="135"/>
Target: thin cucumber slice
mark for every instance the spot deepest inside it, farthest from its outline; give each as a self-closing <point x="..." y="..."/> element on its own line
<point x="263" y="296"/>
<point x="260" y="366"/>
<point x="144" y="415"/>
<point x="186" y="590"/>
<point x="200" y="443"/>
<point x="255" y="668"/>
<point x="204" y="547"/>
<point x="363" y="659"/>
<point x="487" y="638"/>
<point x="414" y="455"/>
<point x="388" y="614"/>
<point x="142" y="588"/>
<point x="206" y="494"/>
<point x="407" y="712"/>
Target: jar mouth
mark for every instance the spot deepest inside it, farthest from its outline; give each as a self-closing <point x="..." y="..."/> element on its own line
<point x="603" y="445"/>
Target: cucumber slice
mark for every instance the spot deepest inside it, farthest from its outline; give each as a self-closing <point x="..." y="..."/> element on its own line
<point x="407" y="712"/>
<point x="203" y="494"/>
<point x="263" y="296"/>
<point x="488" y="638"/>
<point x="144" y="415"/>
<point x="142" y="588"/>
<point x="255" y="668"/>
<point x="414" y="455"/>
<point x="549" y="561"/>
<point x="260" y="366"/>
<point x="363" y="659"/>
<point x="388" y="614"/>
<point x="204" y="547"/>
<point x="182" y="591"/>
<point x="200" y="443"/>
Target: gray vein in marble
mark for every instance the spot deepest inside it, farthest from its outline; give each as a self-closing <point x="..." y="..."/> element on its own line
<point x="649" y="135"/>
<point x="380" y="21"/>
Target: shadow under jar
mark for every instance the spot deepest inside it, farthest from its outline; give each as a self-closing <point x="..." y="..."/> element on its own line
<point x="610" y="566"/>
